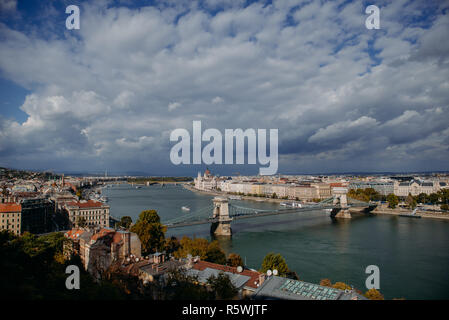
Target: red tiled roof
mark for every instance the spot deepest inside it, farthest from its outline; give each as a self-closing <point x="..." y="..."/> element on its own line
<point x="254" y="275"/>
<point x="10" y="207"/>
<point x="337" y="184"/>
<point x="102" y="233"/>
<point x="87" y="204"/>
<point x="74" y="233"/>
<point x="26" y="194"/>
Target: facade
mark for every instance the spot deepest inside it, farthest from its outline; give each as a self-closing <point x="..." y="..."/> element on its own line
<point x="205" y="182"/>
<point x="324" y="190"/>
<point x="384" y="188"/>
<point x="415" y="187"/>
<point x="36" y="213"/>
<point x="10" y="217"/>
<point x="95" y="213"/>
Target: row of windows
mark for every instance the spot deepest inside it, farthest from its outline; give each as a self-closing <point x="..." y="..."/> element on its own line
<point x="7" y="220"/>
<point x="91" y="218"/>
<point x="10" y="225"/>
<point x="6" y="215"/>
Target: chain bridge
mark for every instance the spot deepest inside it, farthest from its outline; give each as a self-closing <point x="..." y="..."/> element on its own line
<point x="224" y="212"/>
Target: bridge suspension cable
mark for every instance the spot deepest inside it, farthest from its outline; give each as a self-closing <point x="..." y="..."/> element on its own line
<point x="201" y="213"/>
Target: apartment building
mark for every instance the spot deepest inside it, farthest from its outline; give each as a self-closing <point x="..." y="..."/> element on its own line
<point x="94" y="213"/>
<point x="10" y="217"/>
<point x="98" y="248"/>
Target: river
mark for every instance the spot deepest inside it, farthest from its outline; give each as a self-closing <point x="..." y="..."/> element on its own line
<point x="412" y="254"/>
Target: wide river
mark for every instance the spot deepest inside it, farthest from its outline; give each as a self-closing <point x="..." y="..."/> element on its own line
<point x="412" y="254"/>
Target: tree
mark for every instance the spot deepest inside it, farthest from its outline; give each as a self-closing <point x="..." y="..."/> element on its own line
<point x="215" y="254"/>
<point x="325" y="283"/>
<point x="341" y="286"/>
<point x="222" y="286"/>
<point x="235" y="260"/>
<point x="434" y="198"/>
<point x="150" y="231"/>
<point x="274" y="261"/>
<point x="172" y="245"/>
<point x="444" y="207"/>
<point x="181" y="286"/>
<point x="393" y="200"/>
<point x="411" y="202"/>
<point x="194" y="247"/>
<point x="374" y="294"/>
<point x="421" y="198"/>
<point x="81" y="222"/>
<point x="125" y="222"/>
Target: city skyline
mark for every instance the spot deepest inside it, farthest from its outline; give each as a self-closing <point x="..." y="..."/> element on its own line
<point x="106" y="97"/>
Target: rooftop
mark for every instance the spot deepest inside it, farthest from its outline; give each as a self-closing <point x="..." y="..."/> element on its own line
<point x="278" y="288"/>
<point x="252" y="277"/>
<point x="86" y="204"/>
<point x="10" y="207"/>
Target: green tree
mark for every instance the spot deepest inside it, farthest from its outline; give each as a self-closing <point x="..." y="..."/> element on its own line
<point x="235" y="260"/>
<point x="392" y="200"/>
<point x="421" y="198"/>
<point x="222" y="286"/>
<point x="411" y="202"/>
<point x="181" y="286"/>
<point x="150" y="231"/>
<point x="172" y="245"/>
<point x="434" y="198"/>
<point x="274" y="261"/>
<point x="125" y="222"/>
<point x="194" y="247"/>
<point x="444" y="207"/>
<point x="444" y="195"/>
<point x="215" y="254"/>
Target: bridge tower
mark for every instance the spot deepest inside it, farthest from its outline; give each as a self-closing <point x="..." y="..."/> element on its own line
<point x="340" y="197"/>
<point x="222" y="227"/>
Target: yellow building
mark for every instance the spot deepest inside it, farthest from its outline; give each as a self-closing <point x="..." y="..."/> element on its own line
<point x="11" y="217"/>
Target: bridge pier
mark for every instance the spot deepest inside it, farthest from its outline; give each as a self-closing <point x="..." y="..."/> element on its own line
<point x="341" y="198"/>
<point x="222" y="227"/>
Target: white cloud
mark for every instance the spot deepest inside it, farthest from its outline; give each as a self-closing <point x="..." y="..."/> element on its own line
<point x="217" y="100"/>
<point x="174" y="105"/>
<point x="113" y="86"/>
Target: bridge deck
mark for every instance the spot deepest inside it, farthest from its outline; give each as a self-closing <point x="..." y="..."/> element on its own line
<point x="260" y="214"/>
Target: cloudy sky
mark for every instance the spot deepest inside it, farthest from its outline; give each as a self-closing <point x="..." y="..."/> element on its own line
<point x="107" y="96"/>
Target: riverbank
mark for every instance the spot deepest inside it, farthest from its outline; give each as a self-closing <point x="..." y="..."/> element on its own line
<point x="225" y="194"/>
<point x="423" y="214"/>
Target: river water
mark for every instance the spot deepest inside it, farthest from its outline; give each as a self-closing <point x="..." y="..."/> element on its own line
<point x="412" y="254"/>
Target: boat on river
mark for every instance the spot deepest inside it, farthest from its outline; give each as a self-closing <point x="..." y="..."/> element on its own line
<point x="411" y="215"/>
